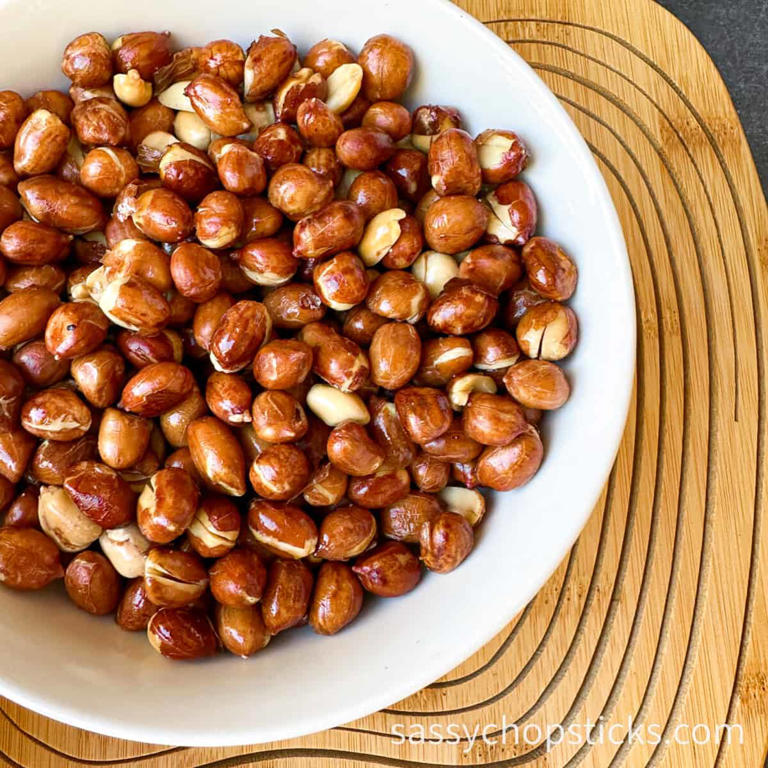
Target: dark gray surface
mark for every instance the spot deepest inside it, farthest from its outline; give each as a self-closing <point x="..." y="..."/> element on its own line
<point x="735" y="34"/>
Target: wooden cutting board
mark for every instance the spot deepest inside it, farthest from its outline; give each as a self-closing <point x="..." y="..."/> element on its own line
<point x="659" y="612"/>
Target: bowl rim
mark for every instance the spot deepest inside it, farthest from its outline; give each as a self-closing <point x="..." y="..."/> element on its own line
<point x="372" y="701"/>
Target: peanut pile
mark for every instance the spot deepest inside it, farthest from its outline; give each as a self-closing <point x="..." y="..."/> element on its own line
<point x="265" y="334"/>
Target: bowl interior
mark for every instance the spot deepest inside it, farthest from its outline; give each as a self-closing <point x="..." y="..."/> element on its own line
<point x="86" y="672"/>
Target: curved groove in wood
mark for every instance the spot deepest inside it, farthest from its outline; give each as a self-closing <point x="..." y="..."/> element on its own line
<point x="85" y="761"/>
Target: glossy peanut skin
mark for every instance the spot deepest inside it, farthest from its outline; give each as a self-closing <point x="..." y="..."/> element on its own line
<point x="181" y="634"/>
<point x="217" y="455"/>
<point x="29" y="242"/>
<point x="390" y="570"/>
<point x="238" y="335"/>
<point x="241" y="630"/>
<point x="537" y="384"/>
<point x="454" y="223"/>
<point x="99" y="375"/>
<point x="287" y="595"/>
<point x="167" y="512"/>
<point x="218" y="104"/>
<point x="387" y="68"/>
<point x="92" y="583"/>
<point x="336" y="227"/>
<point x="394" y="353"/>
<point x="135" y="609"/>
<point x="506" y="467"/>
<point x="551" y="272"/>
<point x="56" y="414"/>
<point x="446" y="540"/>
<point x="336" y="600"/>
<point x="24" y="315"/>
<point x="282" y="364"/>
<point x="28" y="559"/>
<point x="345" y="532"/>
<point x="268" y="63"/>
<point x="462" y="308"/>
<point x="424" y="412"/>
<point x="282" y="528"/>
<point x="157" y="388"/>
<point x="100" y="494"/>
<point x="238" y="579"/>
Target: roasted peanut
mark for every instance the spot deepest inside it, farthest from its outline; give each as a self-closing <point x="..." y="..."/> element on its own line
<point x="52" y="460"/>
<point x="146" y="52"/>
<point x="28" y="559"/>
<point x="99" y="375"/>
<point x="407" y="168"/>
<point x="135" y="609"/>
<point x="74" y="329"/>
<point x="364" y="148"/>
<point x="503" y="468"/>
<point x="513" y="213"/>
<point x="56" y="414"/>
<point x="387" y="68"/>
<point x="100" y="494"/>
<point x="294" y="305"/>
<point x="101" y="121"/>
<point x="551" y="272"/>
<point x="334" y="228"/>
<point x="446" y="540"/>
<point x="282" y="528"/>
<point x="167" y="505"/>
<point x="61" y="519"/>
<point x="287" y="595"/>
<point x="156" y="388"/>
<point x="163" y="215"/>
<point x="241" y="170"/>
<point x="61" y="204"/>
<point x="238" y="335"/>
<point x="336" y="600"/>
<point x="268" y="63"/>
<point x="454" y="445"/>
<point x="92" y="583"/>
<point x="494" y="268"/>
<point x="123" y="438"/>
<point x="455" y="223"/>
<point x="502" y="155"/>
<point x="389" y="116"/>
<point x="238" y="578"/>
<point x="430" y="474"/>
<point x="352" y="450"/>
<point x="278" y="144"/>
<point x="326" y="487"/>
<point x="395" y="353"/>
<point x="398" y="295"/>
<point x="298" y="191"/>
<point x="267" y="261"/>
<point x="187" y="170"/>
<point x="537" y="384"/>
<point x="40" y="368"/>
<point x="241" y="630"/>
<point x="425" y="412"/>
<point x="40" y="143"/>
<point x="453" y="164"/>
<point x="462" y="308"/>
<point x="181" y="633"/>
<point x="215" y="528"/>
<point x="217" y="455"/>
<point x="390" y="570"/>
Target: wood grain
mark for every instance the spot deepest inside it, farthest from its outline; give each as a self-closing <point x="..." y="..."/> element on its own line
<point x="659" y="612"/>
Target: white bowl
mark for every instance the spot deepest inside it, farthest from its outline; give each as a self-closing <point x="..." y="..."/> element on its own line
<point x="84" y="671"/>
